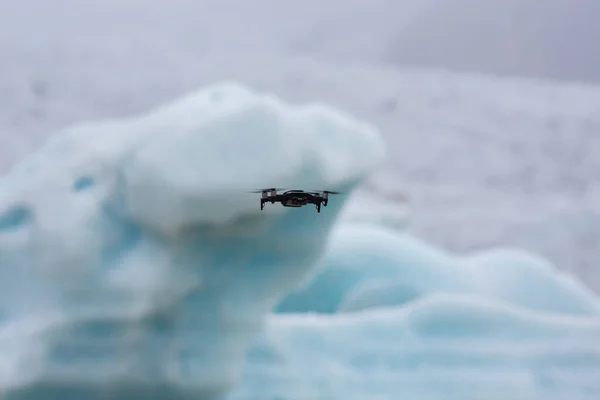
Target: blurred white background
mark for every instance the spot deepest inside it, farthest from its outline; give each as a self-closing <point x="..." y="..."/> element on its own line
<point x="491" y="109"/>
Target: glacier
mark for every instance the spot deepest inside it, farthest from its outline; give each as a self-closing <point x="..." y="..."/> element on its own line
<point x="135" y="265"/>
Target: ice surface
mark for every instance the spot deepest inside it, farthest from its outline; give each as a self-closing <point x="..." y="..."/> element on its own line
<point x="367" y="265"/>
<point x="135" y="265"/>
<point x="133" y="261"/>
<point x="442" y="347"/>
<point x="388" y="316"/>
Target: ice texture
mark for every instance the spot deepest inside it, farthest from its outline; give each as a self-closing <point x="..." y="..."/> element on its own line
<point x="373" y="265"/>
<point x="388" y="316"/>
<point x="135" y="265"/>
<point x="134" y="262"/>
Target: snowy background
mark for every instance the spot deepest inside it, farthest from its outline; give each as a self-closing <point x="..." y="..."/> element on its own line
<point x="502" y="157"/>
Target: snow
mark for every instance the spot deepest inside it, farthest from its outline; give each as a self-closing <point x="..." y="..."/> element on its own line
<point x="134" y="261"/>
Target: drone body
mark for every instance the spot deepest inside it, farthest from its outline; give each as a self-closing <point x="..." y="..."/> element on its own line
<point x="294" y="198"/>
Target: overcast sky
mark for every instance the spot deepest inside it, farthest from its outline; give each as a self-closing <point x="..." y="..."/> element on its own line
<point x="555" y="39"/>
<point x="544" y="38"/>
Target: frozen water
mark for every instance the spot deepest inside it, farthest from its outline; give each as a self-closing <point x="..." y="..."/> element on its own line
<point x="388" y="316"/>
<point x="486" y="161"/>
<point x="133" y="261"/>
<point x="135" y="265"/>
<point x="367" y="266"/>
<point x="443" y="346"/>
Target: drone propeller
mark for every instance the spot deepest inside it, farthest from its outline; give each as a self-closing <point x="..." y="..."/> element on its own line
<point x="326" y="191"/>
<point x="267" y="190"/>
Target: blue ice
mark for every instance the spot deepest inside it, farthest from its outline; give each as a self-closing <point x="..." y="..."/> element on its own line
<point x="134" y="261"/>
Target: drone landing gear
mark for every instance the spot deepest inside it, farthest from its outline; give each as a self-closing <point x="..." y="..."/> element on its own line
<point x="319" y="207"/>
<point x="262" y="205"/>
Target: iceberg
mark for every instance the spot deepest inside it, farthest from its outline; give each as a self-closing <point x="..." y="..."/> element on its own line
<point x="369" y="265"/>
<point x="441" y="346"/>
<point x="388" y="316"/>
<point x="134" y="262"/>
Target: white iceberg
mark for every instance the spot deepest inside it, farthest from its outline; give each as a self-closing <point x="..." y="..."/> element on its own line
<point x="135" y="263"/>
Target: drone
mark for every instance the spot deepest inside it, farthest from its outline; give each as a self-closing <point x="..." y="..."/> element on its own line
<point x="294" y="198"/>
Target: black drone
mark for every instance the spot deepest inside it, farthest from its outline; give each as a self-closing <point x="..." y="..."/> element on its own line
<point x="294" y="198"/>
